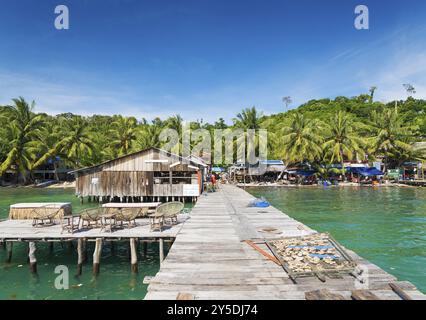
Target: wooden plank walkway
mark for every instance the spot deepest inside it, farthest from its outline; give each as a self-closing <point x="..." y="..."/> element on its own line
<point x="210" y="260"/>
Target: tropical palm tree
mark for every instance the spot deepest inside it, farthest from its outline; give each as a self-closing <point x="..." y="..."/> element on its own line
<point x="123" y="134"/>
<point x="21" y="129"/>
<point x="76" y="143"/>
<point x="249" y="118"/>
<point x="342" y="140"/>
<point x="43" y="148"/>
<point x="148" y="137"/>
<point x="392" y="138"/>
<point x="300" y="140"/>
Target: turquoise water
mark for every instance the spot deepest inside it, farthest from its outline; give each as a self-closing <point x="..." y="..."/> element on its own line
<point x="384" y="225"/>
<point x="114" y="282"/>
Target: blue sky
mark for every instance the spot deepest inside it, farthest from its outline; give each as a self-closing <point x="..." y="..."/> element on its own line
<point x="206" y="59"/>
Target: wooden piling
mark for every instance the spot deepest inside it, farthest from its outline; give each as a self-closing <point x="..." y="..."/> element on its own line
<point x="145" y="248"/>
<point x="80" y="253"/>
<point x="51" y="248"/>
<point x="134" y="255"/>
<point x="97" y="256"/>
<point x="112" y="246"/>
<point x="31" y="255"/>
<point x="85" y="250"/>
<point x="9" y="246"/>
<point x="161" y="249"/>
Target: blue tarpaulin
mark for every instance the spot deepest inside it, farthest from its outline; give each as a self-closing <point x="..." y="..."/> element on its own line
<point x="272" y="162"/>
<point x="367" y="172"/>
<point x="305" y="173"/>
<point x="218" y="169"/>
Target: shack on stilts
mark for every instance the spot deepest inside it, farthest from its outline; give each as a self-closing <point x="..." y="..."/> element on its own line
<point x="148" y="175"/>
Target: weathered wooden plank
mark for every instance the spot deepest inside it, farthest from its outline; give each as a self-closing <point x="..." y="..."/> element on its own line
<point x="323" y="294"/>
<point x="364" y="295"/>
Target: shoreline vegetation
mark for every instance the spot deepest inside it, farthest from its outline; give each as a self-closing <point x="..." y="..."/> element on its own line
<point x="319" y="134"/>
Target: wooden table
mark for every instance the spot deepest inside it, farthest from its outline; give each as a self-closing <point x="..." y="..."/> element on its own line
<point x="140" y="205"/>
<point x="120" y="205"/>
<point x="24" y="210"/>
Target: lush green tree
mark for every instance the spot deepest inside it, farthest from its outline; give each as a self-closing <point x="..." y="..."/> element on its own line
<point x="249" y="118"/>
<point x="301" y="140"/>
<point x="21" y="130"/>
<point x="342" y="140"/>
<point x="149" y="136"/>
<point x="123" y="134"/>
<point x="392" y="137"/>
<point x="76" y="143"/>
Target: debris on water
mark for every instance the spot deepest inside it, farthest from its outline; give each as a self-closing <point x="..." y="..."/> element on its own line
<point x="20" y="266"/>
<point x="76" y="285"/>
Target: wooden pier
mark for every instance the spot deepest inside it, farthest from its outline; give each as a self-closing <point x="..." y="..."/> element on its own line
<point x="13" y="231"/>
<point x="210" y="258"/>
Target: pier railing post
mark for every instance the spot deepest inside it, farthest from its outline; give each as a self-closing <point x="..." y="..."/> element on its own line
<point x="97" y="256"/>
<point x="133" y="256"/>
<point x="31" y="254"/>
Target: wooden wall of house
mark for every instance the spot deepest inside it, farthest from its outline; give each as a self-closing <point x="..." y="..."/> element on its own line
<point x="132" y="176"/>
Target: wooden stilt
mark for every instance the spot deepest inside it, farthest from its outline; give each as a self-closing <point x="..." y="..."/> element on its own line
<point x="134" y="255"/>
<point x="97" y="256"/>
<point x="9" y="246"/>
<point x="145" y="248"/>
<point x="31" y="255"/>
<point x="161" y="249"/>
<point x="80" y="245"/>
<point x="85" y="250"/>
<point x="112" y="247"/>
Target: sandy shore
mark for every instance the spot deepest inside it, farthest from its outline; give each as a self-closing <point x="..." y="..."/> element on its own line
<point x="62" y="185"/>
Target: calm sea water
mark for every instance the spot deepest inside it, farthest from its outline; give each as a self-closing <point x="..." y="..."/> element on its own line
<point x="384" y="225"/>
<point x="387" y="226"/>
<point x="114" y="282"/>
